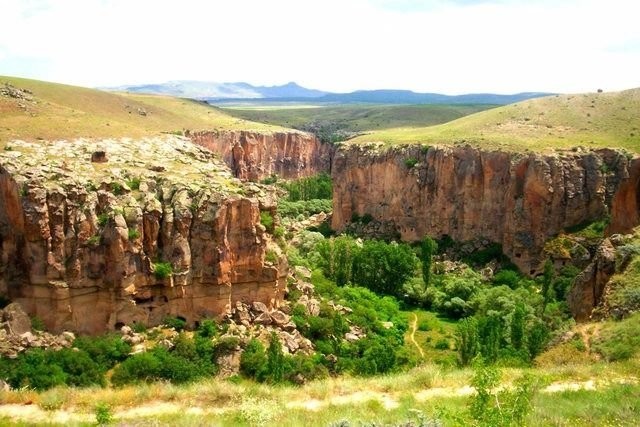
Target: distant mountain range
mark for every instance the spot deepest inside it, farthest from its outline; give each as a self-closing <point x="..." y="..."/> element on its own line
<point x="221" y="93"/>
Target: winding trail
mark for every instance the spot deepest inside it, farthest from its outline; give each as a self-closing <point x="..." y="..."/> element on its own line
<point x="414" y="327"/>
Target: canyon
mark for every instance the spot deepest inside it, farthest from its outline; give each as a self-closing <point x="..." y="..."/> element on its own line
<point x="518" y="200"/>
<point x="255" y="156"/>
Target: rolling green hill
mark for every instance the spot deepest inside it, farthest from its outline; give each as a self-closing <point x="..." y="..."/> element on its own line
<point x="31" y="109"/>
<point x="351" y="119"/>
<point x="560" y="121"/>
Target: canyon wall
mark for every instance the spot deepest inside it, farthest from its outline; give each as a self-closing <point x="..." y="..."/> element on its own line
<point x="517" y="200"/>
<point x="81" y="243"/>
<point x="254" y="156"/>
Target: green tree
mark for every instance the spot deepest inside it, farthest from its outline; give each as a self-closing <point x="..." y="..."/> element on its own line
<point x="336" y="258"/>
<point x="384" y="267"/>
<point x="275" y="360"/>
<point x="429" y="247"/>
<point x="467" y="337"/>
<point x="518" y="327"/>
<point x="490" y="336"/>
<point x="547" y="280"/>
<point x="253" y="360"/>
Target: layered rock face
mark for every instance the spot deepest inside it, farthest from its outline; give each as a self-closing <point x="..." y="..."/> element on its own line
<point x="254" y="156"/>
<point x="82" y="244"/>
<point x="517" y="200"/>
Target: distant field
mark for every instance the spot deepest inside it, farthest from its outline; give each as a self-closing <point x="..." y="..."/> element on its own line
<point x="61" y="111"/>
<point x="351" y="119"/>
<point x="561" y="121"/>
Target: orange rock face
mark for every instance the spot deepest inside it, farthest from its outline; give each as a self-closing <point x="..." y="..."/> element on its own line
<point x="254" y="156"/>
<point x="84" y="258"/>
<point x="517" y="200"/>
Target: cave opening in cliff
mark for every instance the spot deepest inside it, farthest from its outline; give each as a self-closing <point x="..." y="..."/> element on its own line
<point x="118" y="326"/>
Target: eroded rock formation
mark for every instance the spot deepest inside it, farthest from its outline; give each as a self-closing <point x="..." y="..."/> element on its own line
<point x="517" y="200"/>
<point x="81" y="243"/>
<point x="254" y="156"/>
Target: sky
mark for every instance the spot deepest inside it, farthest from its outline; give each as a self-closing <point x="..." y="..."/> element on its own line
<point x="453" y="47"/>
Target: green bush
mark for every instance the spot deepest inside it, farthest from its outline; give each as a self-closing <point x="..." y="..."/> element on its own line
<point x="176" y="323"/>
<point x="162" y="270"/>
<point x="315" y="187"/>
<point x="410" y="162"/>
<point x="103" y="218"/>
<point x="104" y="414"/>
<point x="253" y="360"/>
<point x="207" y="329"/>
<point x="79" y="368"/>
<point x="105" y="350"/>
<point x="142" y="367"/>
<point x="133" y="234"/>
<point x="266" y="219"/>
<point x="134" y="183"/>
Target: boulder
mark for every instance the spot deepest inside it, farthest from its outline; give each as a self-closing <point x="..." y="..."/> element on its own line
<point x="15" y="320"/>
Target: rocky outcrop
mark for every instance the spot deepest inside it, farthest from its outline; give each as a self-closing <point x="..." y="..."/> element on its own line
<point x="516" y="199"/>
<point x="589" y="286"/>
<point x="254" y="156"/>
<point x="160" y="229"/>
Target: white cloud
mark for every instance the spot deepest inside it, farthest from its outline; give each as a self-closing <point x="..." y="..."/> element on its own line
<point x="452" y="47"/>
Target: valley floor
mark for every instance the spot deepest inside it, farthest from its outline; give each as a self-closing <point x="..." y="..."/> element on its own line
<point x="588" y="395"/>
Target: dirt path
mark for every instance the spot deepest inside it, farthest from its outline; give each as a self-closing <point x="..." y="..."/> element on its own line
<point x="389" y="400"/>
<point x="414" y="327"/>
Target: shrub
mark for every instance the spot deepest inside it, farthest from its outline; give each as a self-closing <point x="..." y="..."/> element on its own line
<point x="134" y="183"/>
<point x="275" y="367"/>
<point x="142" y="367"/>
<point x="207" y="329"/>
<point x="266" y="219"/>
<point x="33" y="369"/>
<point x="508" y="278"/>
<point x="278" y="232"/>
<point x="162" y="270"/>
<point x="133" y="234"/>
<point x="271" y="256"/>
<point x="410" y="162"/>
<point x="103" y="218"/>
<point x="225" y="345"/>
<point x="105" y="350"/>
<point x="253" y="360"/>
<point x="104" y="414"/>
<point x="442" y="344"/>
<point x="79" y="368"/>
<point x="176" y="323"/>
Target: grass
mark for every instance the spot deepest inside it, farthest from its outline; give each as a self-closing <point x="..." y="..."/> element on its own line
<point x="388" y="399"/>
<point x="431" y="330"/>
<point x="62" y="111"/>
<point x="592" y="120"/>
<point x="353" y="118"/>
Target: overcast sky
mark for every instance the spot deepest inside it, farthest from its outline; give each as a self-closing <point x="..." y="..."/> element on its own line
<point x="455" y="46"/>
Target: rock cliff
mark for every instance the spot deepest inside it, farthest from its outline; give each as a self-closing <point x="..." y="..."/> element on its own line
<point x="516" y="199"/>
<point x="87" y="245"/>
<point x="254" y="156"/>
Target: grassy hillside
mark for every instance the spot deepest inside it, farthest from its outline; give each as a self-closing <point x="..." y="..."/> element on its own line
<point x="351" y="119"/>
<point x="561" y="121"/>
<point x="54" y="111"/>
